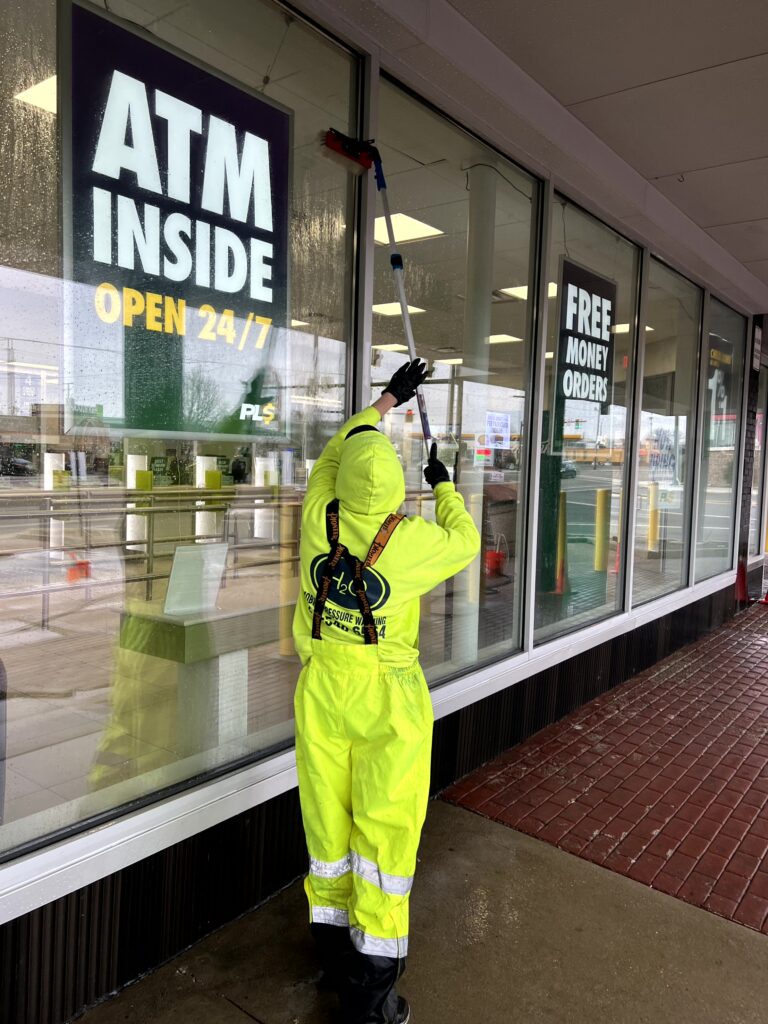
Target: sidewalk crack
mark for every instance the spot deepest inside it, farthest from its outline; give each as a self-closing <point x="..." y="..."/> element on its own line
<point x="242" y="1009"/>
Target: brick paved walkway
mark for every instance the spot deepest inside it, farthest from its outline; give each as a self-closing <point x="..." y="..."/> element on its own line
<point x="664" y="779"/>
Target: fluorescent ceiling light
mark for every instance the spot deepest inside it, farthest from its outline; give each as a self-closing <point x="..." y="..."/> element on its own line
<point x="501" y="339"/>
<point x="624" y="329"/>
<point x="31" y="366"/>
<point x="312" y="400"/>
<point x="42" y="95"/>
<point x="394" y="347"/>
<point x="299" y="323"/>
<point x="521" y="291"/>
<point x="550" y="355"/>
<point x="450" y="362"/>
<point x="393" y="309"/>
<point x="406" y="229"/>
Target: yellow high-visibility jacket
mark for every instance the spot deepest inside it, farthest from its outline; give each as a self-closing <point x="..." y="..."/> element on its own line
<point x="364" y="473"/>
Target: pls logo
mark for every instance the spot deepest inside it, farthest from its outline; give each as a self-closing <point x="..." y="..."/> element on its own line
<point x="259" y="414"/>
<point x="376" y="587"/>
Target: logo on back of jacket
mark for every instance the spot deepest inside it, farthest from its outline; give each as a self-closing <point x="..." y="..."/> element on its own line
<point x="377" y="588"/>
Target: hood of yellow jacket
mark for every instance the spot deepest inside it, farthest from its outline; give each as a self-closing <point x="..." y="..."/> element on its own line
<point x="370" y="479"/>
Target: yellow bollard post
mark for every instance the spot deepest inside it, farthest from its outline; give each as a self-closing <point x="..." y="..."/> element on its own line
<point x="602" y="528"/>
<point x="617" y="561"/>
<point x="562" y="583"/>
<point x="653" y="518"/>
<point x="289" y="517"/>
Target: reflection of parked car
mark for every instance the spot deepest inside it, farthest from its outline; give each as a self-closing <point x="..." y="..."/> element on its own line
<point x="17" y="466"/>
<point x="567" y="468"/>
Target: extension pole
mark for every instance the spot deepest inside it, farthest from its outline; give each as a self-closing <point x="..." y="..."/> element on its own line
<point x="396" y="262"/>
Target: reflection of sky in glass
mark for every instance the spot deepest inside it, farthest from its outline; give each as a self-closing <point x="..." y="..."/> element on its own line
<point x="29" y="344"/>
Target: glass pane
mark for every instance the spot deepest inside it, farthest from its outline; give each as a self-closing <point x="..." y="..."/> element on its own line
<point x="666" y="438"/>
<point x="468" y="274"/>
<point x="592" y="290"/>
<point x="720" y="440"/>
<point x="758" y="465"/>
<point x="156" y="434"/>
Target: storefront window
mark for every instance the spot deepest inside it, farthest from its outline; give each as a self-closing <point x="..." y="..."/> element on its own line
<point x="592" y="295"/>
<point x="469" y="276"/>
<point x="162" y="402"/>
<point x="758" y="465"/>
<point x="666" y="438"/>
<point x="721" y="425"/>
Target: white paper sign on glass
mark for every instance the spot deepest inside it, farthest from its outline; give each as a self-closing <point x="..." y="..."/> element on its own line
<point x="195" y="579"/>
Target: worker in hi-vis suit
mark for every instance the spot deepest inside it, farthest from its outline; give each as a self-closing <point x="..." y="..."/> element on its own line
<point x="363" y="711"/>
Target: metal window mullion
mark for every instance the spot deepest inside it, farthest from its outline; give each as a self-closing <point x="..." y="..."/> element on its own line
<point x="628" y="513"/>
<point x="698" y="436"/>
<point x="762" y="531"/>
<point x="363" y="326"/>
<point x="741" y="448"/>
<point x="535" y="418"/>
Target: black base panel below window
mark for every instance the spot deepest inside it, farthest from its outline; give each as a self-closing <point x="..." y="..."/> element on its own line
<point x="68" y="955"/>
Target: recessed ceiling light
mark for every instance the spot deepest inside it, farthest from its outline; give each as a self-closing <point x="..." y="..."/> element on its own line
<point x="391" y="348"/>
<point x="502" y="339"/>
<point x="450" y="362"/>
<point x="406" y="229"/>
<point x="299" y="323"/>
<point x="42" y="95"/>
<point x="624" y="329"/>
<point x="550" y="355"/>
<point x="393" y="309"/>
<point x="521" y="291"/>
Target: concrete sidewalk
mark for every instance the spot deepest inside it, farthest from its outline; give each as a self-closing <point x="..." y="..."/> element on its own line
<point x="663" y="779"/>
<point x="505" y="928"/>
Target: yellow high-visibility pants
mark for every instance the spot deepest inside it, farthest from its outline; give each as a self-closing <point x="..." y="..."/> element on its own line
<point x="363" y="742"/>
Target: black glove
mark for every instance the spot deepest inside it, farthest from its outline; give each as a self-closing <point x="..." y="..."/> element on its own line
<point x="404" y="381"/>
<point x="435" y="472"/>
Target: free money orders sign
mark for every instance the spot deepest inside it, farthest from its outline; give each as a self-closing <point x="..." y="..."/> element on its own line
<point x="585" y="350"/>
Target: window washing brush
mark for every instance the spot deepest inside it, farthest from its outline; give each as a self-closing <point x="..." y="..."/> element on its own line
<point x="359" y="156"/>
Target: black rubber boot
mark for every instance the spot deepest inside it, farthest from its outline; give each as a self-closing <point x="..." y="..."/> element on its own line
<point x="368" y="993"/>
<point x="333" y="948"/>
<point x="403" y="1014"/>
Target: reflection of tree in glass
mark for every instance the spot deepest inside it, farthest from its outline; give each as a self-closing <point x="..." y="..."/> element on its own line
<point x="203" y="405"/>
<point x="663" y="439"/>
<point x="316" y="417"/>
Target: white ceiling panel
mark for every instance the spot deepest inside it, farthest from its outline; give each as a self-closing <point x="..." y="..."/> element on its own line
<point x="747" y="242"/>
<point x="711" y="117"/>
<point x="720" y="195"/>
<point x="673" y="88"/>
<point x="580" y="50"/>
